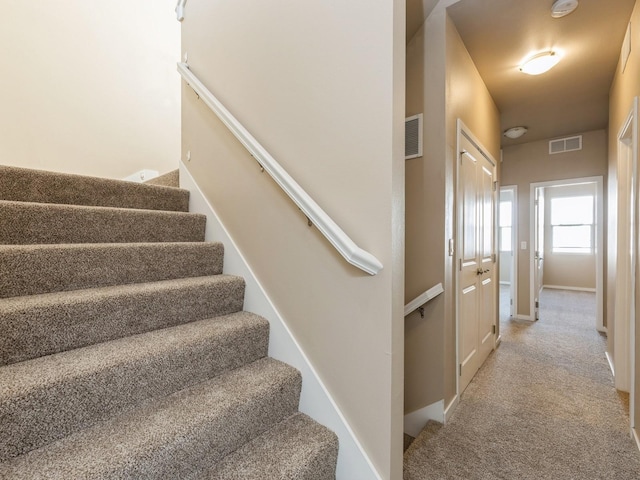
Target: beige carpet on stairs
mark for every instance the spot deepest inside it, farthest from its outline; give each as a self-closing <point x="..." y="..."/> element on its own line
<point x="125" y="352"/>
<point x="543" y="407"/>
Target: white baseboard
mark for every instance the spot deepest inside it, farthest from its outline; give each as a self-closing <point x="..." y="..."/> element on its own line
<point x="451" y="408"/>
<point x="563" y="287"/>
<point x="504" y="283"/>
<point x="527" y="318"/>
<point x="142" y="176"/>
<point x="415" y="421"/>
<point x="610" y="360"/>
<point x="634" y="432"/>
<point x="315" y="401"/>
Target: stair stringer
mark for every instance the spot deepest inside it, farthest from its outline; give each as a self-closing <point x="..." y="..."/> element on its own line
<point x="315" y="400"/>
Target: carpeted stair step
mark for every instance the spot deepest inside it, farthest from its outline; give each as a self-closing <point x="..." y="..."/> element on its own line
<point x="38" y="325"/>
<point x="34" y="223"/>
<point x="174" y="437"/>
<point x="170" y="179"/>
<point x="26" y="185"/>
<point x="297" y="448"/>
<point x="35" y="269"/>
<point x="48" y="398"/>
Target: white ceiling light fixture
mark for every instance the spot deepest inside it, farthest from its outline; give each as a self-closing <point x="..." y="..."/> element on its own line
<point x="562" y="8"/>
<point x="540" y="63"/>
<point x="515" y="132"/>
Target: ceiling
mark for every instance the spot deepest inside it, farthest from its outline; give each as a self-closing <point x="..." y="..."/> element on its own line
<point x="570" y="98"/>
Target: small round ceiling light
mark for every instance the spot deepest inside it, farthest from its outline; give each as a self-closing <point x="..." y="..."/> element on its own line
<point x="540" y="63"/>
<point x="515" y="132"/>
<point x="562" y="8"/>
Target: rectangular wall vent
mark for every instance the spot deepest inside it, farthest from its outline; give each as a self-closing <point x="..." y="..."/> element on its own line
<point x="568" y="144"/>
<point x="413" y="137"/>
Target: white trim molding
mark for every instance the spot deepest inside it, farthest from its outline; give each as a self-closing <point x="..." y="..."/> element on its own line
<point x="315" y="400"/>
<point x="351" y="252"/>
<point x="610" y="361"/>
<point x="142" y="176"/>
<point x="451" y="408"/>
<point x="415" y="421"/>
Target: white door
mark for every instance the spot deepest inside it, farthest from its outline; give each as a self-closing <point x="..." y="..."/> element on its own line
<point x="476" y="293"/>
<point x="538" y="255"/>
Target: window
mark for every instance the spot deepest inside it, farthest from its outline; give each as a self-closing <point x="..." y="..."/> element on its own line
<point x="572" y="224"/>
<point x="505" y="226"/>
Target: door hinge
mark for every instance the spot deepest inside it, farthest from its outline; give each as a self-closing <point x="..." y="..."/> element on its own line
<point x="460" y="369"/>
<point x="460" y="262"/>
<point x="537" y="304"/>
<point x="493" y="258"/>
<point x="511" y="301"/>
<point x="493" y="329"/>
<point x="495" y="185"/>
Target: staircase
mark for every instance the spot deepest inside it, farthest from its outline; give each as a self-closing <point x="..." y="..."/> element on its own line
<point x="124" y="350"/>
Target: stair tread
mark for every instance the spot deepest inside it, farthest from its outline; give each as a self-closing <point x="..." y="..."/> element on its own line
<point x="44" y="268"/>
<point x="50" y="397"/>
<point x="298" y="448"/>
<point x="171" y="437"/>
<point x="48" y="323"/>
<point x="23" y="184"/>
<point x="34" y="223"/>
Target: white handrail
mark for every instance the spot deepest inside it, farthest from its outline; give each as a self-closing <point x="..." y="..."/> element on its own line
<point x="348" y="249"/>
<point x="180" y="10"/>
<point x="423" y="298"/>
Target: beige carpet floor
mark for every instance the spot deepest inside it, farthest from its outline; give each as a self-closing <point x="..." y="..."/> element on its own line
<point x="542" y="407"/>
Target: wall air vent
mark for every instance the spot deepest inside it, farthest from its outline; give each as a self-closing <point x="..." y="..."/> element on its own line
<point x="413" y="137"/>
<point x="568" y="144"/>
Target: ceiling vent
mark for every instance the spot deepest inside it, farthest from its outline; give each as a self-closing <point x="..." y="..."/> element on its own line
<point x="413" y="137"/>
<point x="568" y="144"/>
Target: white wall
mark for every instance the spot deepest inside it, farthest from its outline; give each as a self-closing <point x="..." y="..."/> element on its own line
<point x="89" y="86"/>
<point x="321" y="85"/>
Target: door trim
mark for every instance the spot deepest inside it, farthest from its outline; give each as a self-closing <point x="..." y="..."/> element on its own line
<point x="599" y="242"/>
<point x="514" y="245"/>
<point x="624" y="331"/>
<point x="462" y="129"/>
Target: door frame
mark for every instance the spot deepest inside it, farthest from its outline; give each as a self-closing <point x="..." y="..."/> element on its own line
<point x="599" y="242"/>
<point x="513" y="308"/>
<point x="462" y="129"/>
<point x="624" y="331"/>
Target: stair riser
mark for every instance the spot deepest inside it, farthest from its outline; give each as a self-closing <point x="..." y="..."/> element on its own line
<point x="36" y="269"/>
<point x="42" y="325"/>
<point x="25" y="185"/>
<point x="185" y="433"/>
<point x="296" y="448"/>
<point x="36" y="223"/>
<point x="129" y="373"/>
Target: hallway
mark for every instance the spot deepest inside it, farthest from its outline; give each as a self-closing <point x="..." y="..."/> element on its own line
<point x="542" y="407"/>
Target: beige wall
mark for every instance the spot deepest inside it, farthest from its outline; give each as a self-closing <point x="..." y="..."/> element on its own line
<point x="625" y="86"/>
<point x="566" y="269"/>
<point x="90" y="87"/>
<point x="442" y="82"/>
<point x="531" y="163"/>
<point x="323" y="91"/>
<point x="425" y="215"/>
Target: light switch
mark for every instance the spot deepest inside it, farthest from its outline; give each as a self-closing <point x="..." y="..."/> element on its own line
<point x="523" y="245"/>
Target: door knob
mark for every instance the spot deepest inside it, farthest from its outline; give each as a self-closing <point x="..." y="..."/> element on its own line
<point x="479" y="271"/>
